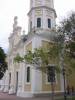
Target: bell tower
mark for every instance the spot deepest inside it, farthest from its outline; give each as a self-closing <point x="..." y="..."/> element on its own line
<point x="42" y="16"/>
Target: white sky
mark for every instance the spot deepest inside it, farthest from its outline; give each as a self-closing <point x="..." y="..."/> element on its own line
<point x="20" y="8"/>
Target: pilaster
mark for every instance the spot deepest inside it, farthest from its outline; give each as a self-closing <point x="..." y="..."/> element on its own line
<point x="20" y="81"/>
<point x="36" y="78"/>
<point x="12" y="85"/>
<point x="36" y="81"/>
<point x="6" y="83"/>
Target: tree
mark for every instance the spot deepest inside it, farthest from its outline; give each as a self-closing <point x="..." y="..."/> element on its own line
<point x="68" y="46"/>
<point x="68" y="26"/>
<point x="3" y="63"/>
<point x="71" y="45"/>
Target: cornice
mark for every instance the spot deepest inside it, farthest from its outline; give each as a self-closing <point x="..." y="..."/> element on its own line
<point x="34" y="8"/>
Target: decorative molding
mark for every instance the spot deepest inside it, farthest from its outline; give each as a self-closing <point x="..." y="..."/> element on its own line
<point x="42" y="7"/>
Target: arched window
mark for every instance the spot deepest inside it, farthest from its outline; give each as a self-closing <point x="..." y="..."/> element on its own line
<point x="28" y="75"/>
<point x="51" y="77"/>
<point x="49" y="23"/>
<point x="38" y="22"/>
<point x="30" y="25"/>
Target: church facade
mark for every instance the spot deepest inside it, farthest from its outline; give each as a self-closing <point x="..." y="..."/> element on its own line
<point x="21" y="78"/>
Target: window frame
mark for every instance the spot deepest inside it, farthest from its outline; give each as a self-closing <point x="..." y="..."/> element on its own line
<point x="50" y="82"/>
<point x="29" y="76"/>
<point x="39" y="22"/>
<point x="30" y="25"/>
<point x="49" y="23"/>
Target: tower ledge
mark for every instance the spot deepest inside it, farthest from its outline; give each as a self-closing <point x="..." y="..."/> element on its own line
<point x="34" y="8"/>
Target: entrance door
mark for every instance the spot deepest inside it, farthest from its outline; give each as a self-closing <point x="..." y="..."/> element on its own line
<point x="16" y="81"/>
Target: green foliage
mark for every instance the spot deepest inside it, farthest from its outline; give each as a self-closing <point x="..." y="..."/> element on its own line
<point x="43" y="54"/>
<point x="42" y="57"/>
<point x="18" y="59"/>
<point x="72" y="63"/>
<point x="68" y="23"/>
<point x="2" y="55"/>
<point x="68" y="26"/>
<point x="29" y="57"/>
<point x="72" y="46"/>
<point x="3" y="64"/>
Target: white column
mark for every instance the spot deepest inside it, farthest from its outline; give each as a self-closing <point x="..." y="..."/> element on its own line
<point x="36" y="81"/>
<point x="12" y="84"/>
<point x="2" y="84"/>
<point x="36" y="78"/>
<point x="6" y="85"/>
<point x="20" y="79"/>
<point x="23" y="77"/>
<point x="21" y="91"/>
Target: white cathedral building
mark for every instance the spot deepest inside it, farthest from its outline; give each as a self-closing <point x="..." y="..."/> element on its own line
<point x="22" y="79"/>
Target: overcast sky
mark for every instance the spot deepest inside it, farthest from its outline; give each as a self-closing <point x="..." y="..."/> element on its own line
<point x="20" y="8"/>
